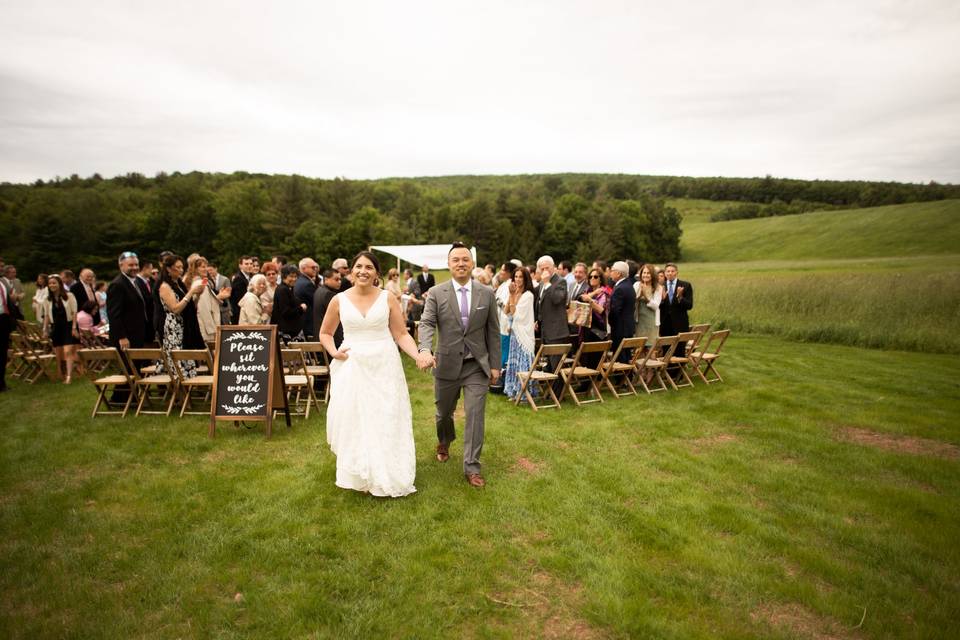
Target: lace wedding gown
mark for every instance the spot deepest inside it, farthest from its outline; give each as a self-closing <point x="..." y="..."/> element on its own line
<point x="369" y="422"/>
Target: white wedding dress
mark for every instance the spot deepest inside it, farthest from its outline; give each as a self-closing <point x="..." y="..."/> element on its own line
<point x="369" y="422"/>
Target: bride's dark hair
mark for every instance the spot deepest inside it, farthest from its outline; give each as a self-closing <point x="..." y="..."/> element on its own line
<point x="369" y="256"/>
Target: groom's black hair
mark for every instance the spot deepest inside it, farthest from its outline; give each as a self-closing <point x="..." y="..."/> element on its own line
<point x="457" y="245"/>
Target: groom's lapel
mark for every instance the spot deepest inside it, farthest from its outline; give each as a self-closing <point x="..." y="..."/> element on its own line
<point x="453" y="305"/>
<point x="474" y="304"/>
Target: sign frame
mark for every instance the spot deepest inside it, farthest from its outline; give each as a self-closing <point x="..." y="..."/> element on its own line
<point x="276" y="394"/>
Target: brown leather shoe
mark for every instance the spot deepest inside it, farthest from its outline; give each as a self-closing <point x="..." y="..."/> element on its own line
<point x="476" y="480"/>
<point x="443" y="452"/>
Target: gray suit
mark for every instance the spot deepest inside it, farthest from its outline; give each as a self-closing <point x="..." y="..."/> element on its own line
<point x="464" y="360"/>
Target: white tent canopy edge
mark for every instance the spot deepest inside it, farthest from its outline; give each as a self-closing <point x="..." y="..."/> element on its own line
<point x="432" y="255"/>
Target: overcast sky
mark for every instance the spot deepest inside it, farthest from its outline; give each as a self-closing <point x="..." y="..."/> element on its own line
<point x="364" y="89"/>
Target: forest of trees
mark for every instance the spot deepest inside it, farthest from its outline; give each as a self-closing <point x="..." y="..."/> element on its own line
<point x="74" y="222"/>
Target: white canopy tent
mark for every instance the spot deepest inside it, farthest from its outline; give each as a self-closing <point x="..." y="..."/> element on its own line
<point x="432" y="255"/>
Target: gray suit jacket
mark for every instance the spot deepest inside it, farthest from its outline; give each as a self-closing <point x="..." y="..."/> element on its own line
<point x="441" y="312"/>
<point x="553" y="310"/>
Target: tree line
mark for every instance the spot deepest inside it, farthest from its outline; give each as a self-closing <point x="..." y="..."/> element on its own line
<point x="74" y="222"/>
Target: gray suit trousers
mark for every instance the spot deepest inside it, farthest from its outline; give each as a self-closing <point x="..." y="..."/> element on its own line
<point x="474" y="383"/>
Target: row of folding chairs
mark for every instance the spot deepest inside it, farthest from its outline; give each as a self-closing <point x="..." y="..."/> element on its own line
<point x="651" y="365"/>
<point x="132" y="379"/>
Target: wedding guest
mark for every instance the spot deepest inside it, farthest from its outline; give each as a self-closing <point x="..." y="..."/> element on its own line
<point x="321" y="300"/>
<point x="101" y="293"/>
<point x="502" y="296"/>
<point x="341" y="266"/>
<point x="39" y="296"/>
<point x="14" y="287"/>
<point x="393" y="284"/>
<point x="60" y="325"/>
<point x="180" y="327"/>
<point x="271" y="271"/>
<point x="84" y="289"/>
<point x="88" y="329"/>
<point x="675" y="306"/>
<point x="240" y="283"/>
<point x="67" y="279"/>
<point x="552" y="319"/>
<point x="519" y="311"/>
<point x="649" y="295"/>
<point x="426" y="280"/>
<point x="623" y="304"/>
<point x="251" y="308"/>
<point x="209" y="314"/>
<point x="304" y="288"/>
<point x="288" y="312"/>
<point x="598" y="297"/>
<point x="220" y="286"/>
<point x="129" y="306"/>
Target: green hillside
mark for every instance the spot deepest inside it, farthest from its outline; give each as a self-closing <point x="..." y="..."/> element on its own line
<point x="929" y="228"/>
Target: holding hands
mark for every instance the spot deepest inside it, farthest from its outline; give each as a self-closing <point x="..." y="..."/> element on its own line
<point x="425" y="360"/>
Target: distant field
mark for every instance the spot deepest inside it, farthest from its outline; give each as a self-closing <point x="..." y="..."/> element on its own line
<point x="897" y="303"/>
<point x="930" y="228"/>
<point x="887" y="277"/>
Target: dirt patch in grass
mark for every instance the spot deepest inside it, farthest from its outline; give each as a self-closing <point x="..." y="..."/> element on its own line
<point x="801" y="622"/>
<point x="526" y="465"/>
<point x="547" y="608"/>
<point x="706" y="443"/>
<point x="900" y="444"/>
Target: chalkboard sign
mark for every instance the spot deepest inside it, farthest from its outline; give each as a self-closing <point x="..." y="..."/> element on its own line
<point x="247" y="376"/>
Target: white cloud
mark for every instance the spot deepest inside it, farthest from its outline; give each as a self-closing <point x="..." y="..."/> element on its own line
<point x="371" y="89"/>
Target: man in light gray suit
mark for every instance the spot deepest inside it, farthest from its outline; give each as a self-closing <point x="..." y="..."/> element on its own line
<point x="467" y="356"/>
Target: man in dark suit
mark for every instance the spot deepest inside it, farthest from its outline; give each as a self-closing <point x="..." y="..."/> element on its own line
<point x="425" y="280"/>
<point x="552" y="321"/>
<point x="130" y="311"/>
<point x="341" y="266"/>
<point x="239" y="284"/>
<point x="303" y="289"/>
<point x="623" y="304"/>
<point x="677" y="302"/>
<point x="84" y="291"/>
<point x="321" y="300"/>
<point x="127" y="306"/>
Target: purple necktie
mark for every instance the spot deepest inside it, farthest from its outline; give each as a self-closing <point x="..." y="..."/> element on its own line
<point x="464" y="309"/>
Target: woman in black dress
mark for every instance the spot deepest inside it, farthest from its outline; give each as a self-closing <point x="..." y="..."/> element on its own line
<point x="60" y="325"/>
<point x="180" y="327"/>
<point x="287" y="312"/>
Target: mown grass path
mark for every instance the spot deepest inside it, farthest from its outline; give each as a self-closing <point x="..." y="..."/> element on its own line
<point x="816" y="488"/>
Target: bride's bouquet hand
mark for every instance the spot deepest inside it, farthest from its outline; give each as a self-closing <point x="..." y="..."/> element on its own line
<point x="341" y="354"/>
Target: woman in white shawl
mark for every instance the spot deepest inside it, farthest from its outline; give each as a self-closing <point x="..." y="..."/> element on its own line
<point x="519" y="309"/>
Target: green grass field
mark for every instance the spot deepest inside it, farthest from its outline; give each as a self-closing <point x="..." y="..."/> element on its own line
<point x="929" y="228"/>
<point x="812" y="495"/>
<point x="882" y="278"/>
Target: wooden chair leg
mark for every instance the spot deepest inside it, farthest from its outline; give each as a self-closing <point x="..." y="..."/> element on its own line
<point x="100" y="399"/>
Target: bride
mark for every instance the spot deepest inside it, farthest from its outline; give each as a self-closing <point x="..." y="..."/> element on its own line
<point x="369" y="424"/>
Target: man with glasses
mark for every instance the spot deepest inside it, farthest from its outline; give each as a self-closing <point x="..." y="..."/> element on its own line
<point x="303" y="290"/>
<point x="127" y="306"/>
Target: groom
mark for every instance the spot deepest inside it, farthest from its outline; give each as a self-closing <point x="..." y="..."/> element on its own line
<point x="465" y="313"/>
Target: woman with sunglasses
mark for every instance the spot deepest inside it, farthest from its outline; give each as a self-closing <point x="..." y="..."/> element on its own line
<point x="598" y="297"/>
